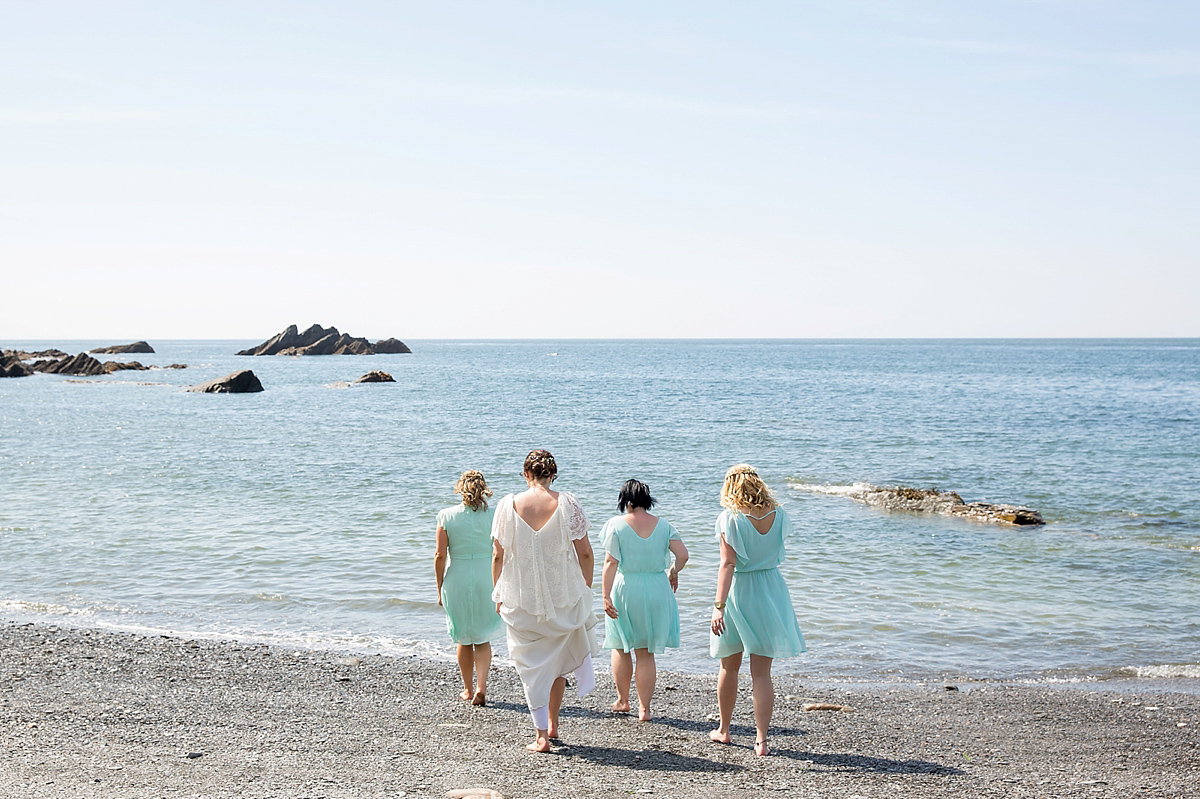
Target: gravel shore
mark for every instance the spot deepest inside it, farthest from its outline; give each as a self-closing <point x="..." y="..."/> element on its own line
<point x="92" y="713"/>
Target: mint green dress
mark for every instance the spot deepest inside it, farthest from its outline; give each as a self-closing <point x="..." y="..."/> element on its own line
<point x="759" y="618"/>
<point x="471" y="616"/>
<point x="647" y="616"/>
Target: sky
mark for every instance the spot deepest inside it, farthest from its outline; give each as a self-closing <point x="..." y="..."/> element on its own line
<point x="599" y="170"/>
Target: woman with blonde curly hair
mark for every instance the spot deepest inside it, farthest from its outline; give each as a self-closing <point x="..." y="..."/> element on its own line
<point x="753" y="611"/>
<point x="465" y="588"/>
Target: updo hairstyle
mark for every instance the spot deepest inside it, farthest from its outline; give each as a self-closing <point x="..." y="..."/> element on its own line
<point x="474" y="489"/>
<point x="635" y="494"/>
<point x="743" y="489"/>
<point x="540" y="465"/>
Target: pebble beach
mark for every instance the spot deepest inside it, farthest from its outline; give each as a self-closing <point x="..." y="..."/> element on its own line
<point x="94" y="713"/>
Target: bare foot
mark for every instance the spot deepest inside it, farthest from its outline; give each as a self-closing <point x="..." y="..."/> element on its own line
<point x="644" y="714"/>
<point x="466" y="695"/>
<point x="553" y="731"/>
<point x="480" y="699"/>
<point x="540" y="745"/>
<point x="718" y="737"/>
<point x="761" y="749"/>
<point x="620" y="707"/>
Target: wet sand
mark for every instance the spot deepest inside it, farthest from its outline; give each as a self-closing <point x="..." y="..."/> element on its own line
<point x="88" y="713"/>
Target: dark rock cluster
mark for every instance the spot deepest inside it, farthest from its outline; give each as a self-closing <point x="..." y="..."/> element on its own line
<point x="138" y="347"/>
<point x="376" y="376"/>
<point x="11" y="365"/>
<point x="240" y="382"/>
<point x="318" y="340"/>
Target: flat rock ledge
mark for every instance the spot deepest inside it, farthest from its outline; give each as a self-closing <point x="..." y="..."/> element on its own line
<point x="376" y="376"/>
<point x="945" y="503"/>
<point x="137" y="347"/>
<point x="318" y="340"/>
<point x="243" y="381"/>
<point x="84" y="365"/>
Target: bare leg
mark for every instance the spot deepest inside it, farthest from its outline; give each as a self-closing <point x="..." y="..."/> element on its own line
<point x="727" y="685"/>
<point x="764" y="700"/>
<point x="647" y="674"/>
<point x="465" y="667"/>
<point x="483" y="664"/>
<point x="556" y="698"/>
<point x="622" y="671"/>
<point x="541" y="720"/>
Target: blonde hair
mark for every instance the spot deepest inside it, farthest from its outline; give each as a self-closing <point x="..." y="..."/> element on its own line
<point x="743" y="488"/>
<point x="474" y="489"/>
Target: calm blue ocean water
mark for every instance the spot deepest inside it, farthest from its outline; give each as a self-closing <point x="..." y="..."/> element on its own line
<point x="304" y="515"/>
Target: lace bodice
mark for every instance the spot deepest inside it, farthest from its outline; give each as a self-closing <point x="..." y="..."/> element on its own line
<point x="540" y="571"/>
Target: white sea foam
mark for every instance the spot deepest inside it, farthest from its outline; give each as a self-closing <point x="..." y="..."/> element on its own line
<point x="1171" y="671"/>
<point x="857" y="489"/>
<point x="15" y="607"/>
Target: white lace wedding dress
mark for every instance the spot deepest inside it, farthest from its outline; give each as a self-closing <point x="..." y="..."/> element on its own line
<point x="545" y="602"/>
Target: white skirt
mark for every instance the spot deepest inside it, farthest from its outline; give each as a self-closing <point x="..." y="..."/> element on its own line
<point x="544" y="650"/>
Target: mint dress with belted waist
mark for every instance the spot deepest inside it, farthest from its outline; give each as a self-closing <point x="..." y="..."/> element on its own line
<point x="471" y="616"/>
<point x="647" y="616"/>
<point x="759" y="617"/>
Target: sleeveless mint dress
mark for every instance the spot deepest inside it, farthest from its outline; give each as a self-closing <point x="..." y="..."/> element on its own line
<point x="471" y="616"/>
<point x="647" y="616"/>
<point x="759" y="618"/>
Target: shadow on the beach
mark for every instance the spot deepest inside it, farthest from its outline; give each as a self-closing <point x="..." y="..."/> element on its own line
<point x="863" y="763"/>
<point x="645" y="760"/>
<point x="690" y="725"/>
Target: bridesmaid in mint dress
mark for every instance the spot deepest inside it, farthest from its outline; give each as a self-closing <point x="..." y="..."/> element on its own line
<point x="464" y="532"/>
<point x="639" y="592"/>
<point x="753" y="611"/>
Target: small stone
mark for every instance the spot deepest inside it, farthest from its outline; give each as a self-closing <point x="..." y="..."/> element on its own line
<point x="350" y="662"/>
<point x="950" y="687"/>
<point x="474" y="793"/>
<point x="194" y="755"/>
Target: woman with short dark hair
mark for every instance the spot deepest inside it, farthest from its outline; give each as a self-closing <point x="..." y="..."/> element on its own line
<point x="639" y="592"/>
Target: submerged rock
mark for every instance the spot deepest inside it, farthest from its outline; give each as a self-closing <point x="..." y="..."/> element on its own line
<point x="11" y="366"/>
<point x="240" y="382"/>
<point x="930" y="500"/>
<point x="376" y="376"/>
<point x="318" y="340"/>
<point x="139" y="347"/>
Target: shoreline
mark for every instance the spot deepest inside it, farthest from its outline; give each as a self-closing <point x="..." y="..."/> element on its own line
<point x="97" y="713"/>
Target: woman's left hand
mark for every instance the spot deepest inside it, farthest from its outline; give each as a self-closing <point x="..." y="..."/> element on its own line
<point x="718" y="621"/>
<point x="673" y="577"/>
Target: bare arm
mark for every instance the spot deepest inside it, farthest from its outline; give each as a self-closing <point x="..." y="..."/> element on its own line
<point x="587" y="559"/>
<point x="681" y="558"/>
<point x="439" y="559"/>
<point x="724" y="581"/>
<point x="497" y="565"/>
<point x="608" y="577"/>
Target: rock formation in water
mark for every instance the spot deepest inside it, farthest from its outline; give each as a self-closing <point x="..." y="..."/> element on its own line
<point x="11" y="366"/>
<point x="240" y="382"/>
<point x="138" y="347"/>
<point x="84" y="365"/>
<point x="946" y="503"/>
<point x="376" y="376"/>
<point x="25" y="356"/>
<point x="319" y="340"/>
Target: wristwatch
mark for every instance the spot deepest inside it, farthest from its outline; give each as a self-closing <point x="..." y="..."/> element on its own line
<point x="719" y="605"/>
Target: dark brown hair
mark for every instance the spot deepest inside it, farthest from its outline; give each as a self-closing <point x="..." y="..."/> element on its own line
<point x="540" y="465"/>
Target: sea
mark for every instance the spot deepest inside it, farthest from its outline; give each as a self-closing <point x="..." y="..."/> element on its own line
<point x="304" y="516"/>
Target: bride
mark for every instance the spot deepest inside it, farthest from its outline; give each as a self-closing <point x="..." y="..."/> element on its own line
<point x="542" y="568"/>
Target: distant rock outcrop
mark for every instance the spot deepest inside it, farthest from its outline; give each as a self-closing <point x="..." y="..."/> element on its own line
<point x="81" y="364"/>
<point x="84" y="365"/>
<point x="319" y="340"/>
<point x="391" y="346"/>
<point x="138" y="347"/>
<point x="930" y="500"/>
<point x="25" y="356"/>
<point x="240" y="382"/>
<point x="11" y="366"/>
<point x="376" y="376"/>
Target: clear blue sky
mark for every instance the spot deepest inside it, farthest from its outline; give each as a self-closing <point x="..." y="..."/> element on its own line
<point x="503" y="169"/>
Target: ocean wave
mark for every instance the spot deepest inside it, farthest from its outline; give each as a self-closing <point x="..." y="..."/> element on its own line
<point x="1189" y="671"/>
<point x="17" y="607"/>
